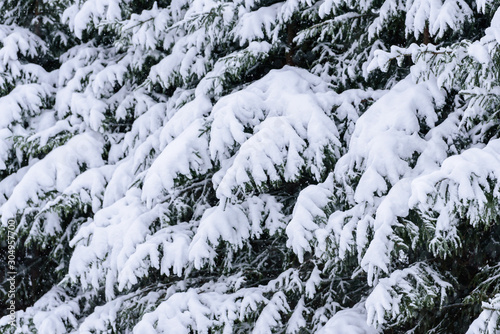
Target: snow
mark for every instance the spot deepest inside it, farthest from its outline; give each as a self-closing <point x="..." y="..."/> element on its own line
<point x="287" y="109"/>
<point x="55" y="172"/>
<point x="230" y="224"/>
<point x="494" y="29"/>
<point x="438" y="15"/>
<point x="92" y="11"/>
<point x="348" y="321"/>
<point x="270" y="316"/>
<point x="171" y="153"/>
<point x="382" y="145"/>
<point x="410" y="285"/>
<point x="52" y="312"/>
<point x="467" y="179"/>
<point x="307" y="210"/>
<point x="185" y="154"/>
<point x="20" y="100"/>
<point x="257" y="24"/>
<point x="297" y="321"/>
<point x="234" y="224"/>
<point x="487" y="321"/>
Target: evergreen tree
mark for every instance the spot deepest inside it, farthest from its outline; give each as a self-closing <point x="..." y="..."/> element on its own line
<point x="194" y="166"/>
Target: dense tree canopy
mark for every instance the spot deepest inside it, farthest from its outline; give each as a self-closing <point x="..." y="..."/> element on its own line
<point x="212" y="166"/>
